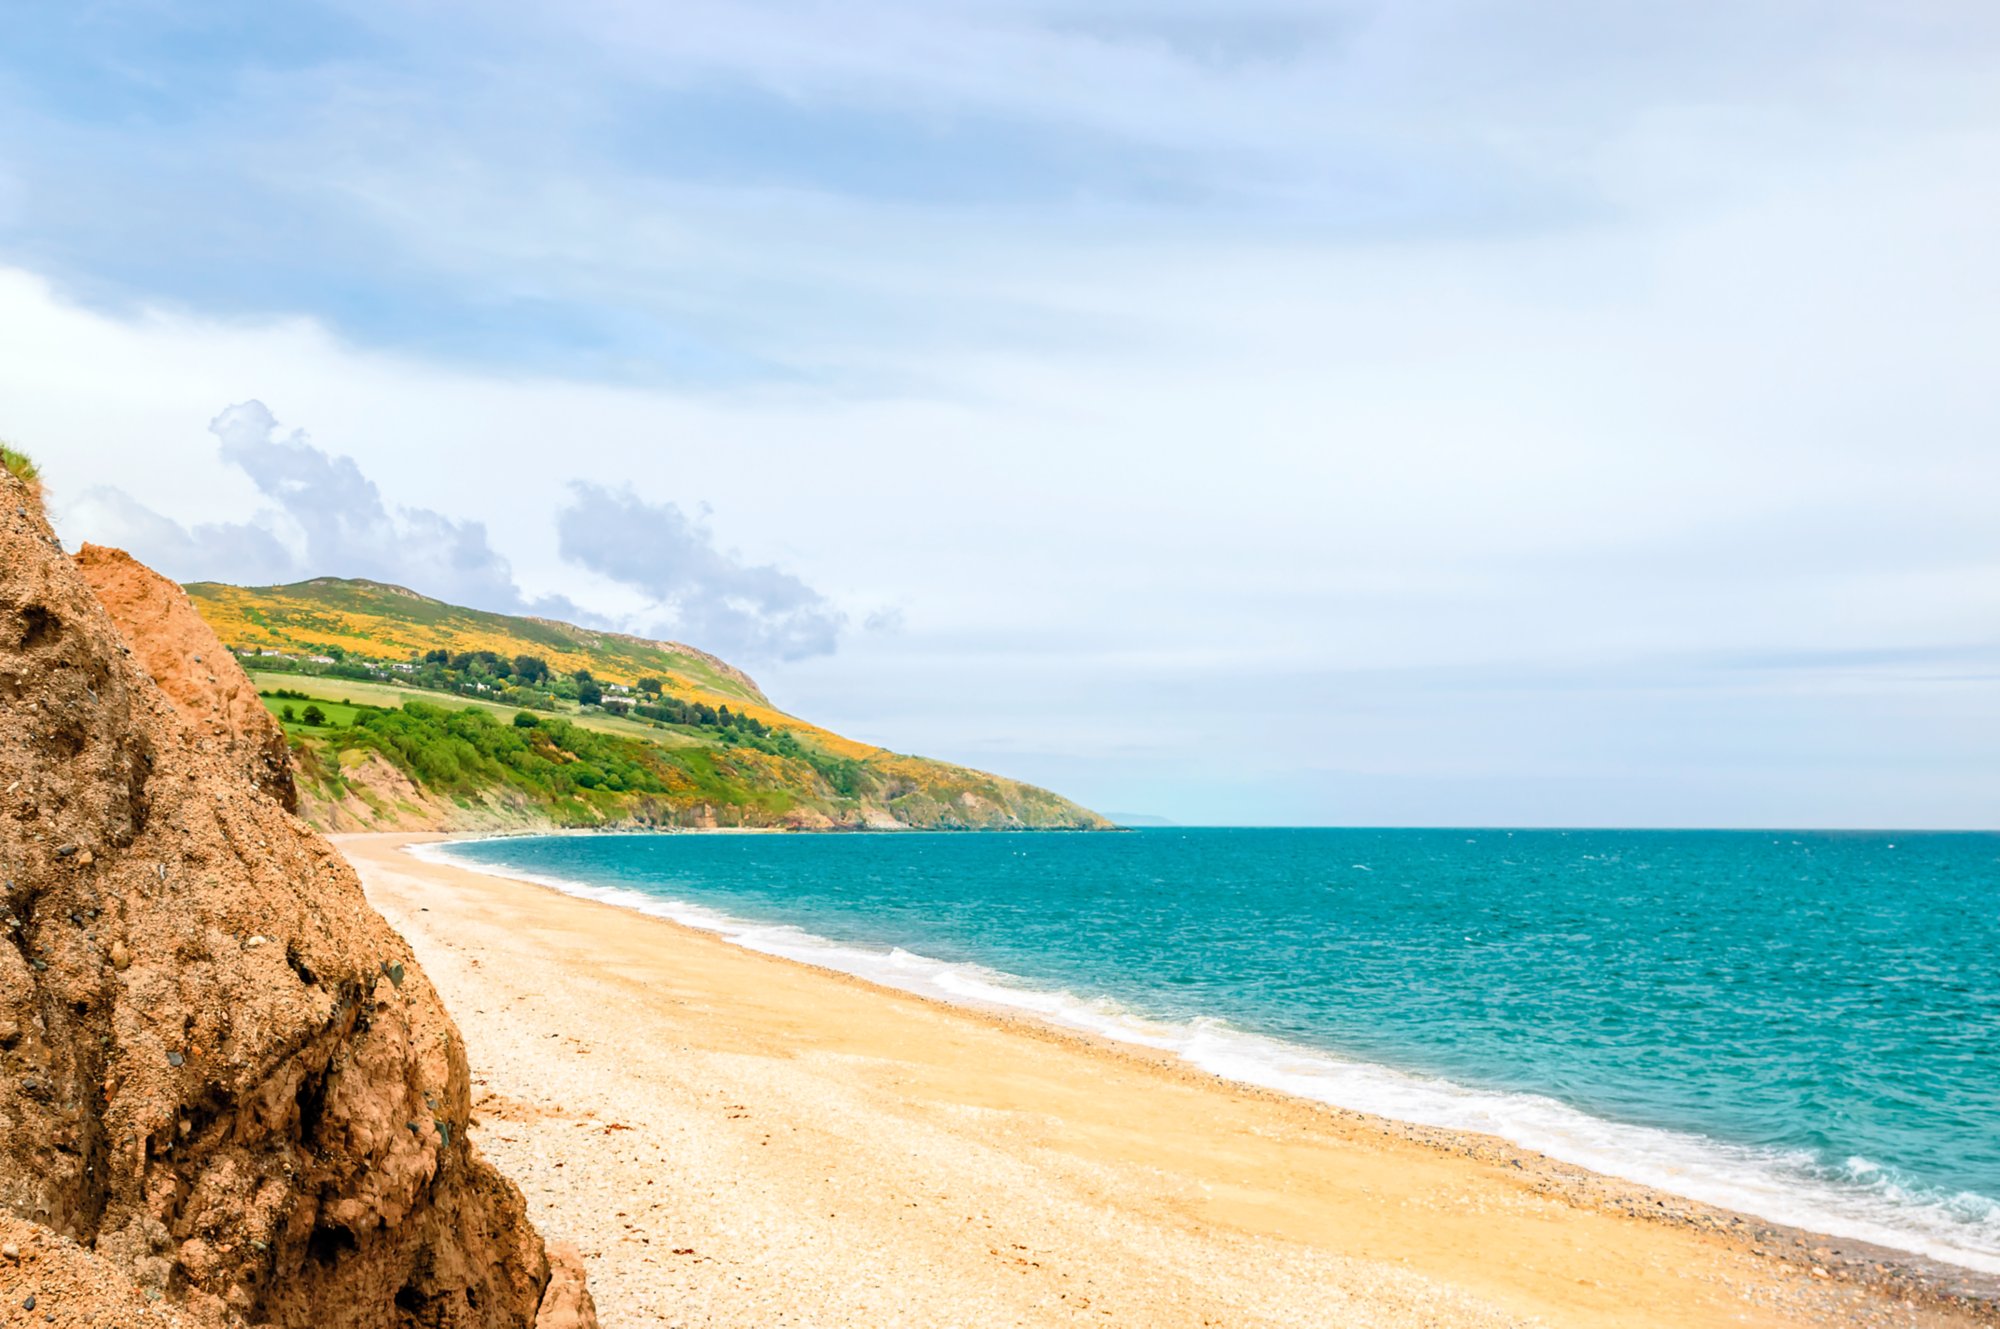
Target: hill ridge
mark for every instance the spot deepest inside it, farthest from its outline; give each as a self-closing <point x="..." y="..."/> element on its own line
<point x="582" y="631"/>
<point x="406" y="711"/>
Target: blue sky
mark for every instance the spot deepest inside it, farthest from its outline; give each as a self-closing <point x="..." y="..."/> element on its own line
<point x="1440" y="412"/>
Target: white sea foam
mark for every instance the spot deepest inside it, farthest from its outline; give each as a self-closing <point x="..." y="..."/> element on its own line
<point x="1862" y="1203"/>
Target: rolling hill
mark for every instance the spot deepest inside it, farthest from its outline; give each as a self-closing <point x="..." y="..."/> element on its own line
<point x="404" y="711"/>
<point x="392" y="623"/>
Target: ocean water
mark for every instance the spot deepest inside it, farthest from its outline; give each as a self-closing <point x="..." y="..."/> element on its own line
<point x="1803" y="1026"/>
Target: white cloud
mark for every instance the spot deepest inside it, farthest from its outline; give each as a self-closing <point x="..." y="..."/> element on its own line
<point x="330" y="519"/>
<point x="1499" y="384"/>
<point x="327" y="519"/>
<point x="753" y="611"/>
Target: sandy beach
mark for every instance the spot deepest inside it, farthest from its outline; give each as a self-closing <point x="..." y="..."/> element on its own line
<point x="732" y="1139"/>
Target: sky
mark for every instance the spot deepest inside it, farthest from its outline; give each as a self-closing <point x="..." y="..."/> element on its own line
<point x="1262" y="412"/>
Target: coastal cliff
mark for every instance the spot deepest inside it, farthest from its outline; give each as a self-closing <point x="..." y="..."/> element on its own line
<point x="227" y="1090"/>
<point x="169" y="641"/>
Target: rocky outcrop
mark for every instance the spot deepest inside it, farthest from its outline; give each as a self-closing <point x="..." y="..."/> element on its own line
<point x="191" y="665"/>
<point x="222" y="1075"/>
<point x="72" y="1286"/>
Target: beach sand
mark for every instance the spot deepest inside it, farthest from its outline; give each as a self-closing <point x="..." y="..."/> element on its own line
<point x="732" y="1139"/>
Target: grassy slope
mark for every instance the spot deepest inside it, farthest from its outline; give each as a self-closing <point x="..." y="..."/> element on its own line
<point x="388" y="623"/>
<point x="391" y="623"/>
<point x="618" y="771"/>
<point x="349" y="693"/>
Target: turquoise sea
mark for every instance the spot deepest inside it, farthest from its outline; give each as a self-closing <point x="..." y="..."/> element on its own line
<point x="1804" y="1026"/>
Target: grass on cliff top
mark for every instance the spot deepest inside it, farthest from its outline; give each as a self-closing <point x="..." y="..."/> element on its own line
<point x="20" y="465"/>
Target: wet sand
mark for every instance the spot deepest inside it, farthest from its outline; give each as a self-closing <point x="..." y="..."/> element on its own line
<point x="733" y="1139"/>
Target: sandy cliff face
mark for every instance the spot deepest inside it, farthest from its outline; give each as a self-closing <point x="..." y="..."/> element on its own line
<point x="184" y="656"/>
<point x="222" y="1076"/>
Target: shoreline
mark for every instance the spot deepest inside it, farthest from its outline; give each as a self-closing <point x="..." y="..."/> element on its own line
<point x="1689" y="1167"/>
<point x="1775" y="1271"/>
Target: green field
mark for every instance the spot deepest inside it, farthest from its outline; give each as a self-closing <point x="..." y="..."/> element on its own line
<point x="337" y="714"/>
<point x="390" y="697"/>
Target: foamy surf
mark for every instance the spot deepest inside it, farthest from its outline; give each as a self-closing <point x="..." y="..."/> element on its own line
<point x="1857" y="1200"/>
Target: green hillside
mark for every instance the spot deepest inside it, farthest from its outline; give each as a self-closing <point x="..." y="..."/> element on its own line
<point x="404" y="711"/>
<point x="389" y="623"/>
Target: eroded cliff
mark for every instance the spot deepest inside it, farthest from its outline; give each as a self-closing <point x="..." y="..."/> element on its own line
<point x="222" y="1075"/>
<point x="192" y="666"/>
